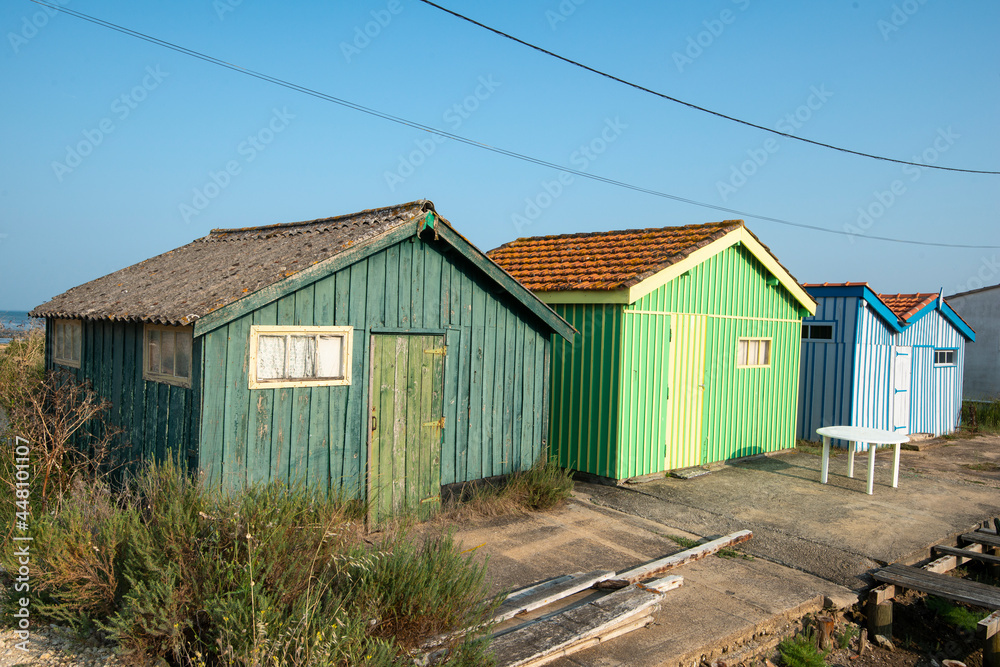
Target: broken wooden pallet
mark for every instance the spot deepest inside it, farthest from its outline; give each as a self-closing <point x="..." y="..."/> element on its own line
<point x="576" y="628"/>
<point x="966" y="554"/>
<point x="547" y="592"/>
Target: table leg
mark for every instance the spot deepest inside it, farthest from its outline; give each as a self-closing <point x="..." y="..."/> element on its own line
<point x="851" y="446"/>
<point x="871" y="467"/>
<point x="825" y="465"/>
<point x="895" y="468"/>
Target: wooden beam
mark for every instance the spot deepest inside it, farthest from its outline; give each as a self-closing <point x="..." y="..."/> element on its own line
<point x="952" y="588"/>
<point x="882" y="593"/>
<point x="668" y="583"/>
<point x="661" y="565"/>
<point x="547" y="592"/>
<point x="982" y="537"/>
<point x="989" y="626"/>
<point x="969" y="553"/>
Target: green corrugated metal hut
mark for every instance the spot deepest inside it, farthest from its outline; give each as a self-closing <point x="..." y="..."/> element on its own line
<point x="379" y="354"/>
<point x="688" y="350"/>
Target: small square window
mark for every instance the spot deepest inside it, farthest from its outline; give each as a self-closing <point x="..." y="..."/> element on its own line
<point x="299" y="356"/>
<point x="167" y="355"/>
<point x="753" y="353"/>
<point x="66" y="346"/>
<point x="945" y="357"/>
<point x="817" y="332"/>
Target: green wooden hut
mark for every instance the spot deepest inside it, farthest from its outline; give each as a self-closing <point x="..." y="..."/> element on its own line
<point x="688" y="350"/>
<point x="379" y="354"/>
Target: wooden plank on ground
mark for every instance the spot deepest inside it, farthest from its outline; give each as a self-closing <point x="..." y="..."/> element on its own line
<point x="971" y="552"/>
<point x="662" y="565"/>
<point x="989" y="626"/>
<point x="952" y="588"/>
<point x="668" y="583"/>
<point x="547" y="592"/>
<point x="545" y="640"/>
<point x="988" y="539"/>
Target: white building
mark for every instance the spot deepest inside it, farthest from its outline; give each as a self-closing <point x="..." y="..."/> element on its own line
<point x="981" y="309"/>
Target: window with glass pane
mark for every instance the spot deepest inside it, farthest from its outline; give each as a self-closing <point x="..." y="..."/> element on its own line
<point x="66" y="346"/>
<point x="753" y="352"/>
<point x="168" y="355"/>
<point x="817" y="332"/>
<point x="944" y="357"/>
<point x="300" y="356"/>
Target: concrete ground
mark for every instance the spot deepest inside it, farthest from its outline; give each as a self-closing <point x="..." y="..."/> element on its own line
<point x="811" y="541"/>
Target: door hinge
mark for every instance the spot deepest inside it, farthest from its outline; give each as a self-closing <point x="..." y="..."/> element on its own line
<point x="431" y="499"/>
<point x="439" y="423"/>
<point x="437" y="350"/>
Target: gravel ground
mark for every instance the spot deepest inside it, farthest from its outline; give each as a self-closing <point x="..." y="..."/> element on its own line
<point x="54" y="645"/>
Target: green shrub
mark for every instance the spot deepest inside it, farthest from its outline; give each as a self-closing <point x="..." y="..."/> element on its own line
<point x="953" y="614"/>
<point x="269" y="575"/>
<point x="801" y="651"/>
<point x="542" y="487"/>
<point x="980" y="417"/>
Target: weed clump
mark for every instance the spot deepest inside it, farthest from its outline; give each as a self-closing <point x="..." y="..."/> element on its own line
<point x="542" y="487"/>
<point x="801" y="651"/>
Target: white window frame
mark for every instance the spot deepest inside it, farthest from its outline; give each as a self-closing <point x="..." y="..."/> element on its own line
<point x="946" y="364"/>
<point x="58" y="354"/>
<point x="810" y="339"/>
<point x="166" y="378"/>
<point x="770" y="351"/>
<point x="258" y="330"/>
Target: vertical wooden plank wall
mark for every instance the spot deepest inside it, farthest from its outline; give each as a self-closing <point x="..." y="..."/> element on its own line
<point x="156" y="418"/>
<point x="747" y="411"/>
<point x="495" y="398"/>
<point x="826" y="375"/>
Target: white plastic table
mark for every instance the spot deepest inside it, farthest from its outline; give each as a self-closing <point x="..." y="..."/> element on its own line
<point x="856" y="436"/>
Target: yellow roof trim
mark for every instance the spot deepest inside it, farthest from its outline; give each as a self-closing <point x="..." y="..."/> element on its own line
<point x="740" y="235"/>
<point x="583" y="296"/>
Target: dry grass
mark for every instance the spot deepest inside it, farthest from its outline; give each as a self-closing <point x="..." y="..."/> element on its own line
<point x="543" y="487"/>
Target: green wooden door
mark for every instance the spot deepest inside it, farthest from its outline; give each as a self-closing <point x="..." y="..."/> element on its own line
<point x="406" y="425"/>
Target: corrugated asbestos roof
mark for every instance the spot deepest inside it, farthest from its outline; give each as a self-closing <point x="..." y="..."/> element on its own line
<point x="603" y="260"/>
<point x="182" y="285"/>
<point x="906" y="306"/>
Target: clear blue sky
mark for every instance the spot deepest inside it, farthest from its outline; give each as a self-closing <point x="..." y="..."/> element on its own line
<point x="917" y="78"/>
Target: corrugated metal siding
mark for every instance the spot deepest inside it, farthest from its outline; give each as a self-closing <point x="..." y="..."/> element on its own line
<point x="494" y="387"/>
<point x="825" y="378"/>
<point x="585" y="389"/>
<point x="936" y="391"/>
<point x="746" y="410"/>
<point x="644" y="390"/>
<point x="157" y="418"/>
<point x="686" y="407"/>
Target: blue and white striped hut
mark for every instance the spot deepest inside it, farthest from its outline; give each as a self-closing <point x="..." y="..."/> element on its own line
<point x="888" y="361"/>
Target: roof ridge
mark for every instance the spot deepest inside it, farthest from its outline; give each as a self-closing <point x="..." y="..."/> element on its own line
<point x="223" y="234"/>
<point x="614" y="232"/>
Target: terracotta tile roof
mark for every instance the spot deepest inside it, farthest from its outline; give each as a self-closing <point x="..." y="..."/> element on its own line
<point x="603" y="260"/>
<point x="184" y="284"/>
<point x="906" y="306"/>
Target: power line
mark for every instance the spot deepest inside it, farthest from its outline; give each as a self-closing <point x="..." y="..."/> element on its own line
<point x="695" y="106"/>
<point x="471" y="142"/>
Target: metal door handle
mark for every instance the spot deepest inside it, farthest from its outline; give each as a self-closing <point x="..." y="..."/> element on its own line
<point x="374" y="423"/>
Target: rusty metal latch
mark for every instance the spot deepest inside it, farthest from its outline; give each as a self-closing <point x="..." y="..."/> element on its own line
<point x="439" y="423"/>
<point x="437" y="350"/>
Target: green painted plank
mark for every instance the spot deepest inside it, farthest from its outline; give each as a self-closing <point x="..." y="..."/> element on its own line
<point x="343" y="443"/>
<point x="237" y="407"/>
<point x="480" y="463"/>
<point x="301" y="398"/>
<point x="431" y="437"/>
<point x="449" y="438"/>
<point x="492" y="376"/>
<point x="259" y="419"/>
<point x="271" y="293"/>
<point x="177" y="421"/>
<point x="117" y="373"/>
<point x="511" y="363"/>
<point x="512" y="452"/>
<point x="500" y="388"/>
<point x="319" y="439"/>
<point x="128" y="392"/>
<point x="435" y="291"/>
<point x="324" y="301"/>
<point x="409" y="401"/>
<point x="375" y="313"/>
<point x="437" y="410"/>
<point x="417" y="284"/>
<point x="281" y="412"/>
<point x="162" y="417"/>
<point x="214" y="404"/>
<point x="382" y="486"/>
<point x="404" y="284"/>
<point x="390" y="317"/>
<point x="400" y="366"/>
<point x="138" y="387"/>
<point x="464" y="352"/>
